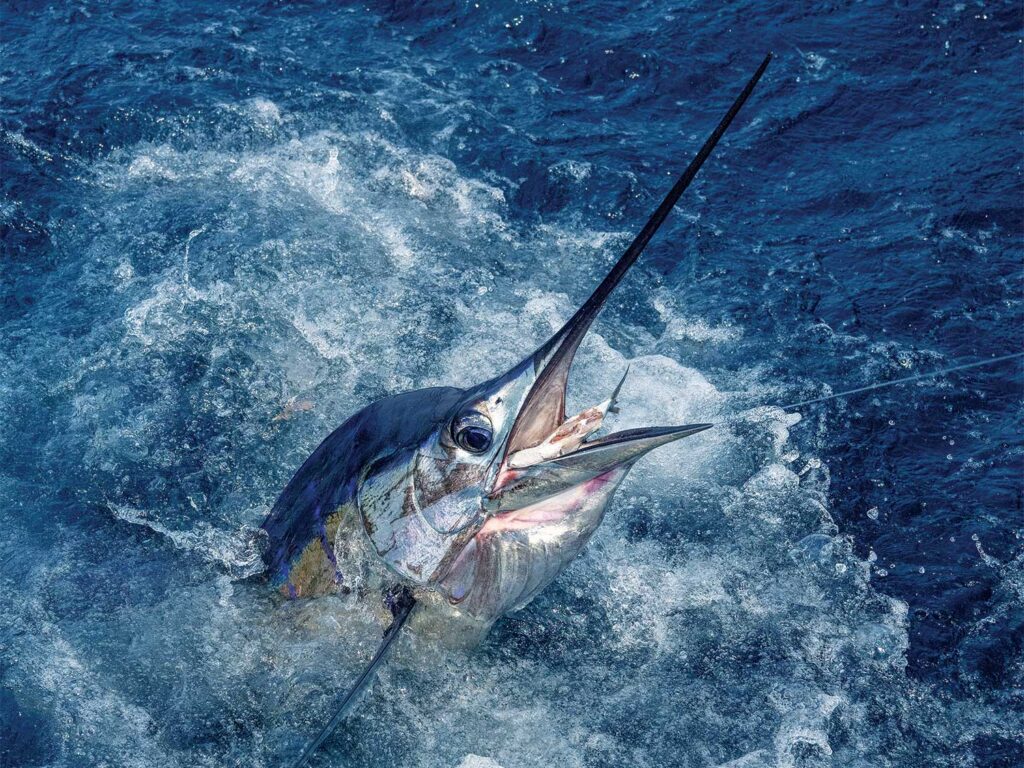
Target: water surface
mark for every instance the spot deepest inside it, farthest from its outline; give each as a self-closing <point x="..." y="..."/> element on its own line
<point x="223" y="231"/>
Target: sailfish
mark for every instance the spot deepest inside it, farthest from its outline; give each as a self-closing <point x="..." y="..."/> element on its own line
<point x="461" y="505"/>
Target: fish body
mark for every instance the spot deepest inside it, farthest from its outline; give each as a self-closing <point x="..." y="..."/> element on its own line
<point x="389" y="498"/>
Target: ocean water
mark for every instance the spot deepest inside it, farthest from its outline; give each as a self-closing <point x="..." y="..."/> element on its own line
<point x="225" y="230"/>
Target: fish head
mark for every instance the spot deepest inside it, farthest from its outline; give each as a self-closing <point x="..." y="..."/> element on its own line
<point x="500" y="494"/>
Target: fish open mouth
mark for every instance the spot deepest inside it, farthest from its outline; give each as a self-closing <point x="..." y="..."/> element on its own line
<point x="535" y="481"/>
<point x="538" y="477"/>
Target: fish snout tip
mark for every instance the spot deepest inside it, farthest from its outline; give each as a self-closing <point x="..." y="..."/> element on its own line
<point x="692" y="429"/>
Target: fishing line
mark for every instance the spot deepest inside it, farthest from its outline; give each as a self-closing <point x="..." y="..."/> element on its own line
<point x="904" y="380"/>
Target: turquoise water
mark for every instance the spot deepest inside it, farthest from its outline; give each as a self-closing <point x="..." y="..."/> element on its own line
<point x="224" y="231"/>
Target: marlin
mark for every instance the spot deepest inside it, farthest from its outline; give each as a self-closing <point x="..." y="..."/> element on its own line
<point x="465" y="503"/>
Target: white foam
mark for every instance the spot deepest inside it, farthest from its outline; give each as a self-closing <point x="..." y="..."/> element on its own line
<point x="238" y="552"/>
<point x="476" y="761"/>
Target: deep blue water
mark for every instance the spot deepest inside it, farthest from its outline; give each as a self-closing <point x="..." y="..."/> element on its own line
<point x="210" y="214"/>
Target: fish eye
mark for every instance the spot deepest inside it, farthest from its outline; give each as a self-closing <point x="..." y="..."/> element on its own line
<point x="472" y="432"/>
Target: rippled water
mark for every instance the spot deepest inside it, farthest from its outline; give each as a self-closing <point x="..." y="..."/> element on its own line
<point x="224" y="231"/>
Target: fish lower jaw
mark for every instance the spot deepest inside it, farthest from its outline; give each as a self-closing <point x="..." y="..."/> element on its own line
<point x="552" y="511"/>
<point x="521" y="519"/>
